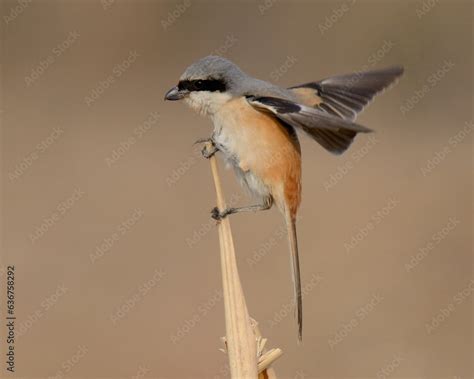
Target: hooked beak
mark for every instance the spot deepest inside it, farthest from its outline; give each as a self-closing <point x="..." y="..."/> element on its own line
<point x="175" y="94"/>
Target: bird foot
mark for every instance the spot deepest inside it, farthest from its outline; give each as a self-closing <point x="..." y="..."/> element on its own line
<point x="209" y="148"/>
<point x="218" y="216"/>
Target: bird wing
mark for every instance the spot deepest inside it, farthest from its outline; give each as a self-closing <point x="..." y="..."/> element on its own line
<point x="345" y="96"/>
<point x="333" y="133"/>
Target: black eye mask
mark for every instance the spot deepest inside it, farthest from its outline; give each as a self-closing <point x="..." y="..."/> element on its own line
<point x="211" y="85"/>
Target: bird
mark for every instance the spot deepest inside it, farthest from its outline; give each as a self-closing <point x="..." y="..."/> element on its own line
<point x="255" y="125"/>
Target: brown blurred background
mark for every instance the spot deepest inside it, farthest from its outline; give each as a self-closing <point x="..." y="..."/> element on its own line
<point x="105" y="201"/>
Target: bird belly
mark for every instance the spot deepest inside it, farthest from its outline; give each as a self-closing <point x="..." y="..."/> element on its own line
<point x="265" y="157"/>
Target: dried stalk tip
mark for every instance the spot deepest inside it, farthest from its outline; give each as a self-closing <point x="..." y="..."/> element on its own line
<point x="266" y="360"/>
<point x="224" y="344"/>
<point x="261" y="342"/>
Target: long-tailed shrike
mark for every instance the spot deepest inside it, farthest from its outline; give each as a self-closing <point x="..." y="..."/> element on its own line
<point x="254" y="127"/>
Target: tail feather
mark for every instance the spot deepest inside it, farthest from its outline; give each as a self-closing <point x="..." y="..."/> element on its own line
<point x="295" y="264"/>
<point x="334" y="142"/>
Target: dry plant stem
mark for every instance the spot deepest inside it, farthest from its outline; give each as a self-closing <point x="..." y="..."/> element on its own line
<point x="265" y="371"/>
<point x="267" y="359"/>
<point x="241" y="340"/>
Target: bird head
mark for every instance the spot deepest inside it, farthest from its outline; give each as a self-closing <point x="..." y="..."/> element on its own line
<point x="208" y="84"/>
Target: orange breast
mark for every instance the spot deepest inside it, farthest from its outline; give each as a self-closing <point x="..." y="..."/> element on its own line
<point x="265" y="147"/>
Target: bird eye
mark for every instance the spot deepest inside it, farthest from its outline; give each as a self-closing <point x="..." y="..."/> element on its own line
<point x="199" y="84"/>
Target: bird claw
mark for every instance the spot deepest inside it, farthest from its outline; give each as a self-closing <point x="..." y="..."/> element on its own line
<point x="209" y="151"/>
<point x="215" y="214"/>
<point x="202" y="140"/>
<point x="209" y="148"/>
<point x="218" y="216"/>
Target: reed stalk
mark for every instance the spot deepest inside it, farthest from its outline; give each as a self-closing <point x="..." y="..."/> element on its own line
<point x="244" y="345"/>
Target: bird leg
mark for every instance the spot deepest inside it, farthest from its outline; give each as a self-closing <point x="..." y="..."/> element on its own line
<point x="216" y="215"/>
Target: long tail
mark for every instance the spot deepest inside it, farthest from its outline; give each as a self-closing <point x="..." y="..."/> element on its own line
<point x="295" y="265"/>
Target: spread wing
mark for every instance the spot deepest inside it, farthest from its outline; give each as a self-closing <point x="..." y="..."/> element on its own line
<point x="346" y="95"/>
<point x="333" y="133"/>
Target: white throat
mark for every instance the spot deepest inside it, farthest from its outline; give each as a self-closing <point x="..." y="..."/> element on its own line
<point x="207" y="103"/>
